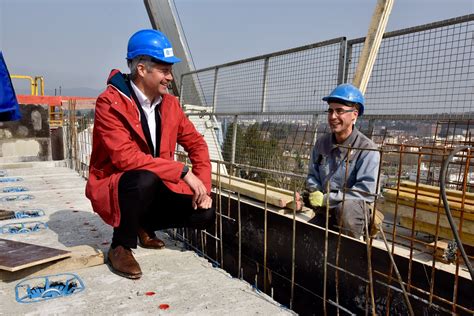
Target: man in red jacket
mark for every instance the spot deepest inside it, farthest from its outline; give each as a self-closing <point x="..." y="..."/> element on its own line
<point x="134" y="183"/>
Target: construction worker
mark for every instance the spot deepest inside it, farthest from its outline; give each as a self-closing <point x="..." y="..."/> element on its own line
<point x="134" y="183"/>
<point x="329" y="161"/>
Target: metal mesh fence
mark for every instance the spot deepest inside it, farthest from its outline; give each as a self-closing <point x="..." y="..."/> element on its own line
<point x="204" y="82"/>
<point x="293" y="79"/>
<point x="421" y="75"/>
<point x="420" y="71"/>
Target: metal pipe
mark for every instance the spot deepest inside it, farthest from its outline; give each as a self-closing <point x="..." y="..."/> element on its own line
<point x="32" y="82"/>
<point x="442" y="187"/>
<point x="41" y="80"/>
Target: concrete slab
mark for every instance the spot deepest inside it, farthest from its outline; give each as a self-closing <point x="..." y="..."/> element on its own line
<point x="187" y="283"/>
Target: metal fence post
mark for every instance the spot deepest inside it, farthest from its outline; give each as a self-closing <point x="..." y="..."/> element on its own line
<point x="264" y="86"/>
<point x="234" y="139"/>
<point x="214" y="95"/>
<point x="342" y="69"/>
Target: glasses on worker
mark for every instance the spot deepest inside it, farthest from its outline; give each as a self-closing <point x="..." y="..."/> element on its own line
<point x="338" y="111"/>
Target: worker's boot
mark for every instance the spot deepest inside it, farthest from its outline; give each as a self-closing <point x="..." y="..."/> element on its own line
<point x="122" y="262"/>
<point x="149" y="240"/>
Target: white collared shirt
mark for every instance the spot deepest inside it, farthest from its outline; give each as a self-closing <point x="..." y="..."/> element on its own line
<point x="149" y="110"/>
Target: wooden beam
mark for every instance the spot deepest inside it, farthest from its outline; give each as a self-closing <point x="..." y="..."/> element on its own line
<point x="372" y="43"/>
<point x="437" y="195"/>
<point x="429" y="202"/>
<point x="425" y="216"/>
<point x="431" y="188"/>
<point x="275" y="196"/>
<point x="466" y="238"/>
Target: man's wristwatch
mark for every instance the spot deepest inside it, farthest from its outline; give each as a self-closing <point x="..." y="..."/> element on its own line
<point x="185" y="171"/>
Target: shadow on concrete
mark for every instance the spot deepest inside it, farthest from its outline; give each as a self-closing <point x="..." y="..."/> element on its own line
<point x="75" y="228"/>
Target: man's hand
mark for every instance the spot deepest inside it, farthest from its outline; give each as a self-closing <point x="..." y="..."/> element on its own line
<point x="200" y="197"/>
<point x="316" y="199"/>
<point x="207" y="203"/>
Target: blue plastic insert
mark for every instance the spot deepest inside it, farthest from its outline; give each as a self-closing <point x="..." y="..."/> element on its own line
<point x="34" y="212"/>
<point x="11" y="179"/>
<point x="38" y="289"/>
<point x="21" y="197"/>
<point x="23" y="228"/>
<point x="14" y="189"/>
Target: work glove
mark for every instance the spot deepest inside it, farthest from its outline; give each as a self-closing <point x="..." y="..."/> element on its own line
<point x="316" y="199"/>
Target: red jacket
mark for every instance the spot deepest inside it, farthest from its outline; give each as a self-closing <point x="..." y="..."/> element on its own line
<point x="119" y="145"/>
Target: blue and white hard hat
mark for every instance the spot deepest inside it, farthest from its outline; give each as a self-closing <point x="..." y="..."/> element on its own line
<point x="347" y="93"/>
<point x="151" y="43"/>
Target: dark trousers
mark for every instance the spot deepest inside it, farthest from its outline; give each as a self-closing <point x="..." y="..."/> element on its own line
<point x="146" y="202"/>
<point x="350" y="219"/>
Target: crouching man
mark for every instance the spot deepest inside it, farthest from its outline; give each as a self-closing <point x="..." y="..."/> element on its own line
<point x="134" y="184"/>
<point x="329" y="161"/>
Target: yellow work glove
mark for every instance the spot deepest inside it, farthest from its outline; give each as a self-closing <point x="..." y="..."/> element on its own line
<point x="316" y="198"/>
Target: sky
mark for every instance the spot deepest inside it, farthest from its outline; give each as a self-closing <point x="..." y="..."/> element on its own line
<point x="74" y="44"/>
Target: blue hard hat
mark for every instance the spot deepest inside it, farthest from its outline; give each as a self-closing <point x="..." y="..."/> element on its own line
<point x="151" y="43"/>
<point x="347" y="93"/>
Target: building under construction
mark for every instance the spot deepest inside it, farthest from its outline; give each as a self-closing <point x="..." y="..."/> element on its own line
<point x="260" y="133"/>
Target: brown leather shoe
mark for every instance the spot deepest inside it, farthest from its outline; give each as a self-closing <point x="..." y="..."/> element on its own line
<point x="122" y="262"/>
<point x="150" y="241"/>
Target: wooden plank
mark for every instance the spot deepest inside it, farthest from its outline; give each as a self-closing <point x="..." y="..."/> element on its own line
<point x="256" y="191"/>
<point x="433" y="209"/>
<point x="409" y="199"/>
<point x="82" y="256"/>
<point x="372" y="42"/>
<point x="425" y="216"/>
<point x="467" y="239"/>
<point x="436" y="195"/>
<point x="15" y="255"/>
<point x="431" y="188"/>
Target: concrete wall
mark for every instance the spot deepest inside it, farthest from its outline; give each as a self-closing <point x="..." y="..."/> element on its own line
<point x="27" y="139"/>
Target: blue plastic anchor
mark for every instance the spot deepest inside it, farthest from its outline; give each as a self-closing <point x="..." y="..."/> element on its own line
<point x="29" y="213"/>
<point x="38" y="289"/>
<point x="21" y="197"/>
<point x="23" y="228"/>
<point x="11" y="179"/>
<point x="14" y="189"/>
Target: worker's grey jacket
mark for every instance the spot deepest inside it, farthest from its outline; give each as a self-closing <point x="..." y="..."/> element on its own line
<point x="328" y="163"/>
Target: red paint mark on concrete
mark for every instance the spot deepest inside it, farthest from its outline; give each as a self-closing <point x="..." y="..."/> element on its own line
<point x="164" y="306"/>
<point x="151" y="293"/>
